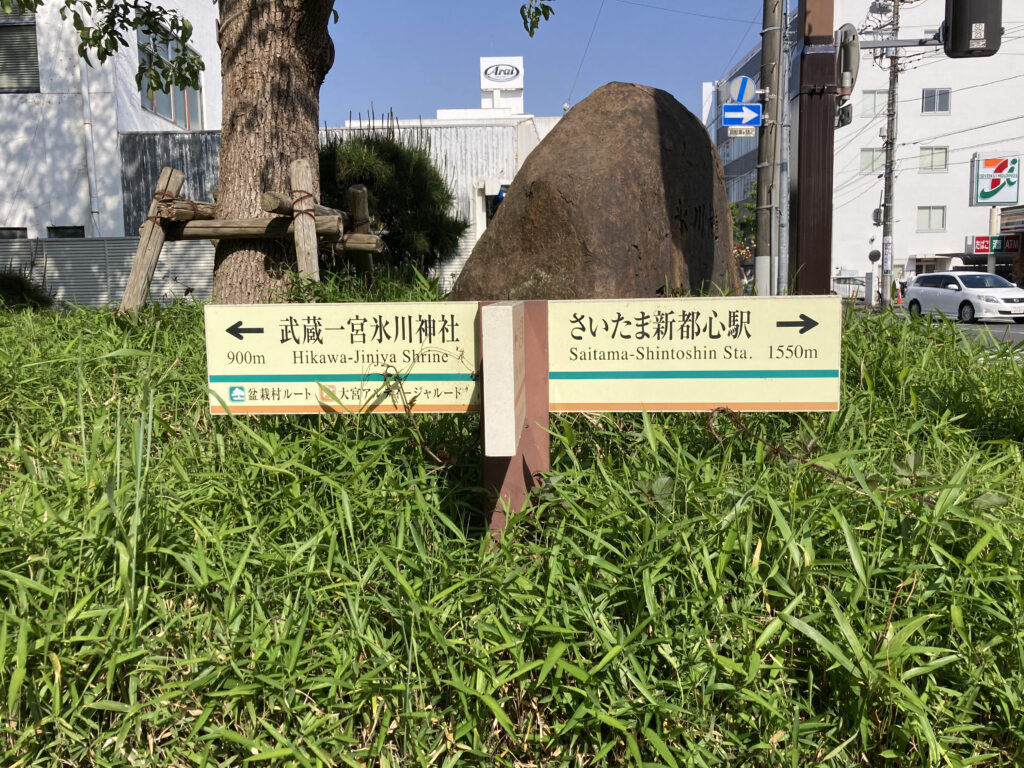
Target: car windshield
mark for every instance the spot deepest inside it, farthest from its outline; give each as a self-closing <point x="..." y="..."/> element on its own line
<point x="985" y="281"/>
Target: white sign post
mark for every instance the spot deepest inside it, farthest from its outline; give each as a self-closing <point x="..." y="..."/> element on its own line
<point x="504" y="362"/>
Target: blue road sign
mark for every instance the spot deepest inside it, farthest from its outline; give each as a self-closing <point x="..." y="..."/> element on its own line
<point x="741" y="114"/>
<point x="742" y="89"/>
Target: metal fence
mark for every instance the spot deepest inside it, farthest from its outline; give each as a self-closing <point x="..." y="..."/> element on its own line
<point x="93" y="272"/>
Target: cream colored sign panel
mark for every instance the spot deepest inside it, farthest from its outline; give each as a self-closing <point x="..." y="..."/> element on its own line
<point x="695" y="354"/>
<point x="316" y="358"/>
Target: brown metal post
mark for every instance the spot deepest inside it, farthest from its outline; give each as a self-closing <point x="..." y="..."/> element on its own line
<point x="508" y="479"/>
<point x="811" y="262"/>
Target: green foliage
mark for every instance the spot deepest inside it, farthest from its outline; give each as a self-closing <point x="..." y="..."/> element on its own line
<point x="744" y="221"/>
<point x="102" y="26"/>
<point x="410" y="200"/>
<point x="839" y="589"/>
<point x="18" y="291"/>
<point x="532" y="13"/>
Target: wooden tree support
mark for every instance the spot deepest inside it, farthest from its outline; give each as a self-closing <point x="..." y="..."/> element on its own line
<point x="305" y="226"/>
<point x="328" y="227"/>
<point x="173" y="218"/>
<point x="185" y="210"/>
<point x="151" y="240"/>
<point x="358" y="204"/>
<point x="281" y="204"/>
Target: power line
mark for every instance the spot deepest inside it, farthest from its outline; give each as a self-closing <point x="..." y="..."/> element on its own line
<point x="742" y="39"/>
<point x="969" y="87"/>
<point x="579" y="69"/>
<point x="965" y="130"/>
<point x="684" y="13"/>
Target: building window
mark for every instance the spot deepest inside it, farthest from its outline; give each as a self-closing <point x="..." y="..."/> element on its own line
<point x="491" y="202"/>
<point x="935" y="101"/>
<point x="872" y="160"/>
<point x="931" y="218"/>
<point x="934" y="159"/>
<point x="183" y="106"/>
<point x="875" y="103"/>
<point x="65" y="231"/>
<point x="13" y="233"/>
<point x="19" y="62"/>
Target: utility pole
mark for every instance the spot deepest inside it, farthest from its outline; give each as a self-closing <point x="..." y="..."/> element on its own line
<point x="768" y="145"/>
<point x="811" y="260"/>
<point x="890" y="158"/>
<point x="782" y="275"/>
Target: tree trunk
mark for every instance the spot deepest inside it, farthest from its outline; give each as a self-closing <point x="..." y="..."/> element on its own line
<point x="274" y="57"/>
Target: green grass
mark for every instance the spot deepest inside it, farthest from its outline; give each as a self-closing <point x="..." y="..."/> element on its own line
<point x="773" y="589"/>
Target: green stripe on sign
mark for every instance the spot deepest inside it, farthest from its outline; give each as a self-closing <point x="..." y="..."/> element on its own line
<point x="813" y="373"/>
<point x="269" y="378"/>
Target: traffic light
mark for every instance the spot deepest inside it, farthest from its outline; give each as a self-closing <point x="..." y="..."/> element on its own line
<point x="972" y="28"/>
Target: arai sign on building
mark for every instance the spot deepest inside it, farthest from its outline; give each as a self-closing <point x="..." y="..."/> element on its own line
<point x="501" y="83"/>
<point x="995" y="179"/>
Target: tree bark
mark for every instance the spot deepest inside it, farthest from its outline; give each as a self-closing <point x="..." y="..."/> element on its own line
<point x="274" y="57"/>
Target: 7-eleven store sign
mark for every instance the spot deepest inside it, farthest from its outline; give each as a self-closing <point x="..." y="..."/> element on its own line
<point x="996" y="179"/>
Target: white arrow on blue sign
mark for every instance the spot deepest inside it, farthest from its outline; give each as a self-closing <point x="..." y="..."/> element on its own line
<point x="741" y="114"/>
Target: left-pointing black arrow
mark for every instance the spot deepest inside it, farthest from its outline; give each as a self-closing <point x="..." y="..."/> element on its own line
<point x="237" y="330"/>
<point x="804" y="324"/>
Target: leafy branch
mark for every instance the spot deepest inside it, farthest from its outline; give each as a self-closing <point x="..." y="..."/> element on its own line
<point x="533" y="12"/>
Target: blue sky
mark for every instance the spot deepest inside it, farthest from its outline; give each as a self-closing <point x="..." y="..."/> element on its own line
<point x="415" y="56"/>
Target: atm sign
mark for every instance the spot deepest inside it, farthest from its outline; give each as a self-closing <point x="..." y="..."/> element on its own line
<point x="984" y="244"/>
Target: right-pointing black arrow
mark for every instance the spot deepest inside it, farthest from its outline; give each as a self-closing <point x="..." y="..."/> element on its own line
<point x="237" y="330"/>
<point x="804" y="323"/>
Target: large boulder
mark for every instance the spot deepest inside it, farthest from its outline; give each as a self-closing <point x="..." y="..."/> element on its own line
<point x="624" y="198"/>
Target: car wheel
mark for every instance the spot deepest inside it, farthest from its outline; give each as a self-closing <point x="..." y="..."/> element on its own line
<point x="1018" y="319"/>
<point x="966" y="312"/>
<point x="915" y="308"/>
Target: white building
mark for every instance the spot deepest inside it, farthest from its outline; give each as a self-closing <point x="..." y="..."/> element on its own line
<point x="948" y="111"/>
<point x="61" y="119"/>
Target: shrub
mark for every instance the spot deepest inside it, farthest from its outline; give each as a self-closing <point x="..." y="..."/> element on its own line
<point x="410" y="200"/>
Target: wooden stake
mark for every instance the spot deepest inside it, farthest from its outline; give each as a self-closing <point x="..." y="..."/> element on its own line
<point x="151" y="240"/>
<point x="509" y="479"/>
<point x="360" y="208"/>
<point x="305" y="228"/>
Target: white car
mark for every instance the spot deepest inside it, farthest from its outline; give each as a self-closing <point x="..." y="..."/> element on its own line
<point x="967" y="296"/>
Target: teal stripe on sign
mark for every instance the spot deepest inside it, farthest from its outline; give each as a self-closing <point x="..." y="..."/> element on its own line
<point x="274" y="378"/>
<point x="812" y="373"/>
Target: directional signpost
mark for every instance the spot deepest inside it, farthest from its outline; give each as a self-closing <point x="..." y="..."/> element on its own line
<point x="695" y="354"/>
<point x="317" y="358"/>
<point x="520" y="361"/>
<point x="741" y="114"/>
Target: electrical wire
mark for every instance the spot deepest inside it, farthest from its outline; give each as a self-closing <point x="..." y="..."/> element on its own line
<point x="685" y="13"/>
<point x="579" y="69"/>
<point x="743" y="38"/>
<point x="965" y="130"/>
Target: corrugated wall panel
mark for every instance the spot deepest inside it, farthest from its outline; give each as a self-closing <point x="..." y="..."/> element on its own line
<point x="185" y="269"/>
<point x="93" y="272"/>
<point x="23" y="256"/>
<point x="143" y="156"/>
<point x="120" y="253"/>
<point x="76" y="272"/>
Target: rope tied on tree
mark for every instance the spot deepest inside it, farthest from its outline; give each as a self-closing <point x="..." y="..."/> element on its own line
<point x="301" y="196"/>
